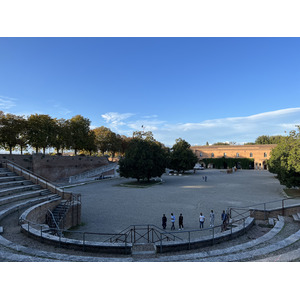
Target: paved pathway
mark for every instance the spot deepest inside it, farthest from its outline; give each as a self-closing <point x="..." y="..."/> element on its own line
<point x="109" y="207"/>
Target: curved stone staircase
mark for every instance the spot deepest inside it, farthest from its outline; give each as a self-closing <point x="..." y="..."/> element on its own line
<point x="281" y="243"/>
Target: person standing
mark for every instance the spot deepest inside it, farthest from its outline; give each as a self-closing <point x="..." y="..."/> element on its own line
<point x="201" y="220"/>
<point x="211" y="218"/>
<point x="180" y="222"/>
<point x="224" y="220"/>
<point x="172" y="221"/>
<point x="164" y="221"/>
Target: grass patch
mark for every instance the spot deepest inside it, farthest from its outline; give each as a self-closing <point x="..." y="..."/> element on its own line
<point x="292" y="192"/>
<point x="140" y="184"/>
<point x="266" y="225"/>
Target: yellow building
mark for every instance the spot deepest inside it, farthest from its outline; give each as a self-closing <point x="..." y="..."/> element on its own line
<point x="260" y="153"/>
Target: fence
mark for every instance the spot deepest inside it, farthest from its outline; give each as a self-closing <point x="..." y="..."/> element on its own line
<point x="263" y="211"/>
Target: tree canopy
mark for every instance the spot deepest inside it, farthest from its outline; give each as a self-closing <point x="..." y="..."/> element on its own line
<point x="143" y="159"/>
<point x="12" y="128"/>
<point x="285" y="160"/>
<point x="181" y="157"/>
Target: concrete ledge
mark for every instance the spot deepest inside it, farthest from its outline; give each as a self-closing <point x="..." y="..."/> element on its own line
<point x="218" y="238"/>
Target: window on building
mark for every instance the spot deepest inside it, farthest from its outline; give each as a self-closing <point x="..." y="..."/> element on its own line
<point x="237" y="154"/>
<point x="212" y="155"/>
<point x="224" y="154"/>
<point x="200" y="154"/>
<point x="251" y="154"/>
<point x="265" y="154"/>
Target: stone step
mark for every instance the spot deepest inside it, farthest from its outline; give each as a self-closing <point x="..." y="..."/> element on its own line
<point x="296" y="217"/>
<point x="21" y="196"/>
<point x="7" y="174"/>
<point x="11" y="178"/>
<point x="143" y="249"/>
<point x="18" y="189"/>
<point x="14" y="183"/>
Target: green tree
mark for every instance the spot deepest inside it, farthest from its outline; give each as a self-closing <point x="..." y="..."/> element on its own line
<point x="23" y="135"/>
<point x="143" y="159"/>
<point x="41" y="131"/>
<point x="62" y="135"/>
<point x="107" y="141"/>
<point x="148" y="135"/>
<point x="265" y="139"/>
<point x="181" y="157"/>
<point x="10" y="130"/>
<point x="79" y="132"/>
<point x="91" y="143"/>
<point x="285" y="160"/>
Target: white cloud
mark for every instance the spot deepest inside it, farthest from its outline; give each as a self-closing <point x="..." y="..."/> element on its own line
<point x="116" y="119"/>
<point x="235" y="129"/>
<point x="6" y="103"/>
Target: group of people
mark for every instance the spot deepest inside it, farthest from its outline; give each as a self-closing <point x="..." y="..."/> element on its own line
<point x="224" y="217"/>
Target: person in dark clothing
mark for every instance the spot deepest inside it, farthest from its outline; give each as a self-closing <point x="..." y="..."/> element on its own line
<point x="164" y="221"/>
<point x="224" y="220"/>
<point x="180" y="222"/>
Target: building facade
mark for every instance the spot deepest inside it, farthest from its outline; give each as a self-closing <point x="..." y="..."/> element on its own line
<point x="259" y="153"/>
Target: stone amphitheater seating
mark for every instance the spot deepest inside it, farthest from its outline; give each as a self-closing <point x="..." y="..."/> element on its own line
<point x="14" y="197"/>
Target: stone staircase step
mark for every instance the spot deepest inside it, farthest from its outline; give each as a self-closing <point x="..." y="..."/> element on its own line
<point x="26" y="195"/>
<point x="7" y="174"/>
<point x="143" y="249"/>
<point x="14" y="183"/>
<point x="296" y="217"/>
<point x="18" y="189"/>
<point x="11" y="178"/>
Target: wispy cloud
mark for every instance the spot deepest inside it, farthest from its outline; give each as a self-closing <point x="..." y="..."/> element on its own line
<point x="116" y="119"/>
<point x="62" y="110"/>
<point x="237" y="129"/>
<point x="7" y="102"/>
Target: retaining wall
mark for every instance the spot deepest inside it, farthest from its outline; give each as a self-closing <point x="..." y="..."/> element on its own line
<point x="56" y="167"/>
<point x="261" y="214"/>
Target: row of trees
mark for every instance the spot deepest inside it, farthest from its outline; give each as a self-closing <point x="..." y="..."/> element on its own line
<point x="40" y="131"/>
<point x="285" y="159"/>
<point x="146" y="158"/>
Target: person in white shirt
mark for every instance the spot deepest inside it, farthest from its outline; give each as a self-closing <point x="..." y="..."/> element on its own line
<point x="201" y="220"/>
<point x="172" y="221"/>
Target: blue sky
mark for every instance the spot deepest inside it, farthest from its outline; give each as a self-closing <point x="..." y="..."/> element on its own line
<point x="199" y="89"/>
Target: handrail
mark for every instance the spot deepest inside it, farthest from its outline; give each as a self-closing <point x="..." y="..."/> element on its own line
<point x="133" y="229"/>
<point x="41" y="180"/>
<point x="58" y="229"/>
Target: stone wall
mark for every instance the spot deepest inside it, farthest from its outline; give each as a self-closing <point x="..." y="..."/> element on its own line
<point x="260" y="214"/>
<point x="55" y="168"/>
<point x="37" y="214"/>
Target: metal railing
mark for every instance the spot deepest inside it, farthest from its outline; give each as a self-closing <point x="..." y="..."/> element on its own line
<point x="144" y="234"/>
<point x="63" y="235"/>
<point x="280" y="204"/>
<point x="51" y="216"/>
<point x="43" y="182"/>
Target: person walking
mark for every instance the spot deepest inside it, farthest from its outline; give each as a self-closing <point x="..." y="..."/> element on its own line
<point x="201" y="220"/>
<point x="172" y="221"/>
<point x="211" y="218"/>
<point x="164" y="221"/>
<point x="224" y="220"/>
<point x="180" y="222"/>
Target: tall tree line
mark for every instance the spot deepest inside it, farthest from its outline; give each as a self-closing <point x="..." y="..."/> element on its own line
<point x="41" y="132"/>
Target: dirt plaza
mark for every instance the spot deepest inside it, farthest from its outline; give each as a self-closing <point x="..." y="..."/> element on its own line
<point x="109" y="207"/>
